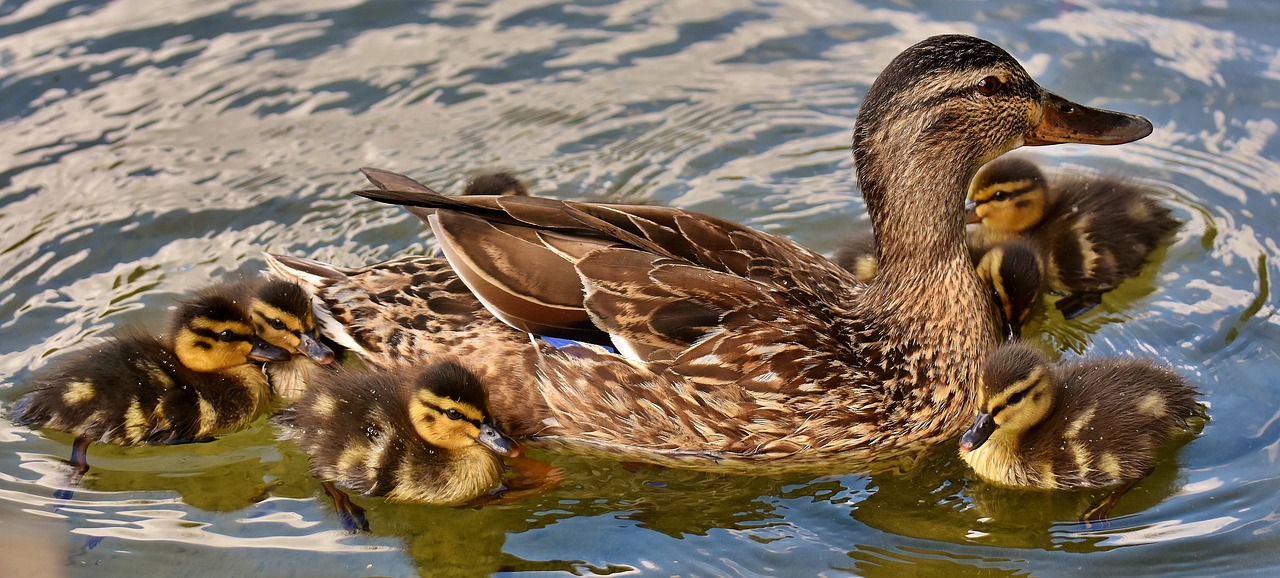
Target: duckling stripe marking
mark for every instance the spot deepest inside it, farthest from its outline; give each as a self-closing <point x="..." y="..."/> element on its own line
<point x="78" y="392"/>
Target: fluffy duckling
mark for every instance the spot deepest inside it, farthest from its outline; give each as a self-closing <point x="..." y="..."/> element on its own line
<point x="1092" y="232"/>
<point x="283" y="316"/>
<point x="1071" y="425"/>
<point x="857" y="255"/>
<point x="1014" y="272"/>
<point x="499" y="183"/>
<point x="135" y="389"/>
<point x="427" y="438"/>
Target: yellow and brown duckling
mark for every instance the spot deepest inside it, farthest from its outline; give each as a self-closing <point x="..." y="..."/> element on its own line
<point x="499" y="183"/>
<point x="425" y="438"/>
<point x="133" y="388"/>
<point x="1074" y="424"/>
<point x="283" y="316"/>
<point x="1014" y="272"/>
<point x="857" y="255"/>
<point x="1092" y="232"/>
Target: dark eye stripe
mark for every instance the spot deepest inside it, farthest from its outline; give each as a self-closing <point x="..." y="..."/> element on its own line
<point x="217" y="335"/>
<point x="1012" y="194"/>
<point x="441" y="411"/>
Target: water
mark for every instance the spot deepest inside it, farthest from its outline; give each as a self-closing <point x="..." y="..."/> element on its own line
<point x="151" y="146"/>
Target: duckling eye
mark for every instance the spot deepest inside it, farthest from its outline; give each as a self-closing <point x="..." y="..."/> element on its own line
<point x="226" y="335"/>
<point x="1001" y="196"/>
<point x="1016" y="398"/>
<point x="452" y="413"/>
<point x="278" y="324"/>
<point x="990" y="85"/>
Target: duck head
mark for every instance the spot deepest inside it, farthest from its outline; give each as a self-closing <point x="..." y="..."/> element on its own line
<point x="949" y="104"/>
<point x="282" y="316"/>
<point x="1015" y="393"/>
<point x="213" y="332"/>
<point x="449" y="410"/>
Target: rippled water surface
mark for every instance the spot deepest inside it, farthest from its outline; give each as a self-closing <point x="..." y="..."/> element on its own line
<point x="151" y="146"/>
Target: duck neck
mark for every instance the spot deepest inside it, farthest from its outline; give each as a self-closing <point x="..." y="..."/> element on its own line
<point x="920" y="240"/>
<point x="925" y="298"/>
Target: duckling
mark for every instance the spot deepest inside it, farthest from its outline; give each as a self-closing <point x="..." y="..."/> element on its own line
<point x="283" y="316"/>
<point x="1014" y="272"/>
<point x="499" y="183"/>
<point x="1073" y="425"/>
<point x="1092" y="232"/>
<point x="427" y="438"/>
<point x="136" y="389"/>
<point x="857" y="255"/>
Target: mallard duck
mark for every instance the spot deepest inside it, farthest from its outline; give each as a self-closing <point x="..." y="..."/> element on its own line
<point x="1077" y="424"/>
<point x="740" y="347"/>
<point x="133" y="388"/>
<point x="283" y="316"/>
<point x="424" y="436"/>
<point x="1014" y="272"/>
<point x="1093" y="232"/>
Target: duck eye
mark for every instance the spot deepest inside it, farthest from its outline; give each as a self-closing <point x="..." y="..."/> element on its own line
<point x="226" y="335"/>
<point x="278" y="324"/>
<point x="1017" y="397"/>
<point x="990" y="85"/>
<point x="453" y="413"/>
<point x="1001" y="196"/>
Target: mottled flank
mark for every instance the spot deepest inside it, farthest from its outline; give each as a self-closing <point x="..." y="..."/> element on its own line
<point x="413" y="436"/>
<point x="1077" y="424"/>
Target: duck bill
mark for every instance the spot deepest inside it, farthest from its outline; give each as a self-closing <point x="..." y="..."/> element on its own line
<point x="1067" y="122"/>
<point x="312" y="347"/>
<point x="263" y="351"/>
<point x="977" y="435"/>
<point x="497" y="441"/>
<point x="971" y="212"/>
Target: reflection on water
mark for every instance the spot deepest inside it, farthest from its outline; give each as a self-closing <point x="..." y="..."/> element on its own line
<point x="150" y="147"/>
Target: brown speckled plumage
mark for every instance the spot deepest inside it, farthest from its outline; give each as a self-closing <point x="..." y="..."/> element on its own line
<point x="740" y="347"/>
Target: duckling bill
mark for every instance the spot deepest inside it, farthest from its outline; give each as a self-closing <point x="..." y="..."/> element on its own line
<point x="136" y="389"/>
<point x="425" y="438"/>
<point x="1075" y="424"/>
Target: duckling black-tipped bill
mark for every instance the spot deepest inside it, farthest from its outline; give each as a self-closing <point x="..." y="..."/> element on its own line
<point x="263" y="351"/>
<point x="312" y="347"/>
<point x="983" y="426"/>
<point x="1065" y="121"/>
<point x="495" y="440"/>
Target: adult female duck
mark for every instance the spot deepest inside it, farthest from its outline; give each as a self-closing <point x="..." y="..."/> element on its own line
<point x="741" y="347"/>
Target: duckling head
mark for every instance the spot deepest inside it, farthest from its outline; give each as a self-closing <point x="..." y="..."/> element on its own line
<point x="1008" y="196"/>
<point x="499" y="183"/>
<point x="946" y="106"/>
<point x="1014" y="273"/>
<point x="1015" y="393"/>
<point x="212" y="332"/>
<point x="282" y="316"/>
<point x="449" y="410"/>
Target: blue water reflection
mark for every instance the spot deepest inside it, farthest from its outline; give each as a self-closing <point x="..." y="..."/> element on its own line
<point x="150" y="146"/>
